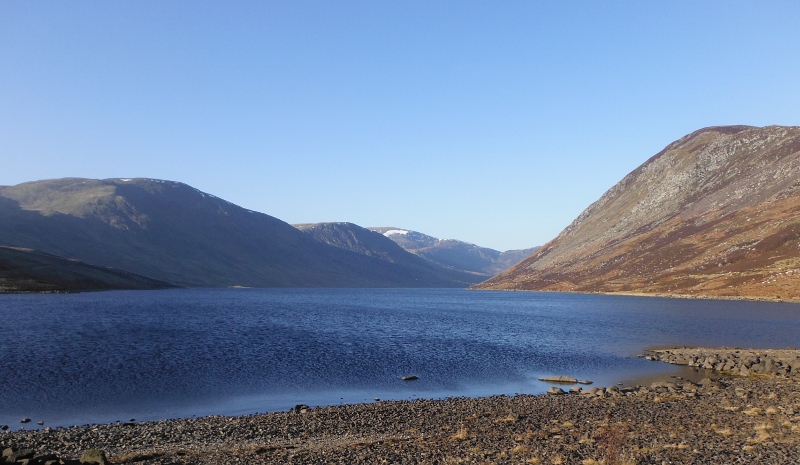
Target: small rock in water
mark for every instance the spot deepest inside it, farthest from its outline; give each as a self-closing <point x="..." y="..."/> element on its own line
<point x="40" y="423"/>
<point x="4" y="427"/>
<point x="377" y="399"/>
<point x="410" y="378"/>
<point x="559" y="379"/>
<point x="585" y="381"/>
<point x="25" y="420"/>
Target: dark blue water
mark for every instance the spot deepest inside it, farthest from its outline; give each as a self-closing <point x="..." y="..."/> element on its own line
<point x="101" y="357"/>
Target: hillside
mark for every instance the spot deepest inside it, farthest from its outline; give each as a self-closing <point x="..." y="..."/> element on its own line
<point x="356" y="239"/>
<point x="455" y="254"/>
<point x="172" y="232"/>
<point x="716" y="213"/>
<point x="25" y="270"/>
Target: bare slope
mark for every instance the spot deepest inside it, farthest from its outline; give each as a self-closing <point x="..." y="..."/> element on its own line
<point x="455" y="254"/>
<point x="716" y="213"/>
<point x="172" y="232"/>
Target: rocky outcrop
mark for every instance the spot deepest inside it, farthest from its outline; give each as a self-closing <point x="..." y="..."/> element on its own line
<point x="714" y="214"/>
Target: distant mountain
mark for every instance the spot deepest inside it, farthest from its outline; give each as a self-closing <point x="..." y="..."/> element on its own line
<point x="25" y="270"/>
<point x="455" y="254"/>
<point x="356" y="239"/>
<point x="716" y="213"/>
<point x="171" y="232"/>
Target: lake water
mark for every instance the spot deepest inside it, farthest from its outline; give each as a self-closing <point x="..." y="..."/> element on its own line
<point x="102" y="357"/>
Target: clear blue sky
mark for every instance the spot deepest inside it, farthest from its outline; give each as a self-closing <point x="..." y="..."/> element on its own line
<point x="491" y="122"/>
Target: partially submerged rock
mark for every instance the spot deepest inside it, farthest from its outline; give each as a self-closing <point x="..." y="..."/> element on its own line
<point x="559" y="379"/>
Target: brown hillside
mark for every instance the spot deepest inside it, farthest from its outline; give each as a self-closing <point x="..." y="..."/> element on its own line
<point x="716" y="213"/>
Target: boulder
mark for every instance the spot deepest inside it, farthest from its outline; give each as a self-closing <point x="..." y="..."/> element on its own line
<point x="19" y="455"/>
<point x="585" y="381"/>
<point x="94" y="456"/>
<point x="555" y="391"/>
<point x="409" y="378"/>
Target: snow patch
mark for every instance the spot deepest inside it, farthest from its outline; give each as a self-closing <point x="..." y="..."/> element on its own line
<point x="392" y="232"/>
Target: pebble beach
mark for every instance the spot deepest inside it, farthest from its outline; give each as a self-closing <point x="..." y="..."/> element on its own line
<point x="729" y="418"/>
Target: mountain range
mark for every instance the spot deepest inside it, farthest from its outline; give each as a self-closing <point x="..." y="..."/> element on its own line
<point x="455" y="254"/>
<point x="715" y="213"/>
<point x="169" y="232"/>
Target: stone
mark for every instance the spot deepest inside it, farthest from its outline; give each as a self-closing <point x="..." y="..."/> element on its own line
<point x="575" y="390"/>
<point x="555" y="391"/>
<point x="94" y="456"/>
<point x="410" y="378"/>
<point x="4" y="427"/>
<point x="19" y="455"/>
<point x="8" y="451"/>
<point x="25" y="420"/>
<point x="585" y="381"/>
<point x="559" y="379"/>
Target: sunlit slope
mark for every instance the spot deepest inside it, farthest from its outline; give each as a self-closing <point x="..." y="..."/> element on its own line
<point x="716" y="213"/>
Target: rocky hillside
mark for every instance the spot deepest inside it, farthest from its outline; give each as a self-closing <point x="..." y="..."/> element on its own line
<point x="716" y="213"/>
<point x="455" y="254"/>
<point x="172" y="232"/>
<point x="25" y="270"/>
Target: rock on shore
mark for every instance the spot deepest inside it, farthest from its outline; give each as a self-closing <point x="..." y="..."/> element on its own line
<point x="736" y="361"/>
<point x="731" y="419"/>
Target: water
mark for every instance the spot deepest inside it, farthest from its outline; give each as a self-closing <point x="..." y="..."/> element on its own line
<point x="102" y="357"/>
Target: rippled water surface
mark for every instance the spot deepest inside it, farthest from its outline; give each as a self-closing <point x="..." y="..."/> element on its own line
<point x="101" y="357"/>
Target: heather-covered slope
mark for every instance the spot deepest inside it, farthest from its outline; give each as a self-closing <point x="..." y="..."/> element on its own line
<point x="716" y="213"/>
<point x="25" y="270"/>
<point x="172" y="232"/>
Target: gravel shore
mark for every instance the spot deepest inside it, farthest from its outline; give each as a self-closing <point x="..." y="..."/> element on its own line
<point x="727" y="420"/>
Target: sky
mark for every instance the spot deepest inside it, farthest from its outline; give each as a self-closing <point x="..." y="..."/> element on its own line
<point x="492" y="122"/>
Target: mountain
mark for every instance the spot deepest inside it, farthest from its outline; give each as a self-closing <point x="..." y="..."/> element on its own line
<point x="25" y="270"/>
<point x="455" y="254"/>
<point x="716" y="213"/>
<point x="356" y="239"/>
<point x="171" y="232"/>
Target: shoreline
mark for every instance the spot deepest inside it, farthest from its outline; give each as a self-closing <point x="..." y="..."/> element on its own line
<point x="746" y="419"/>
<point x="655" y="294"/>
